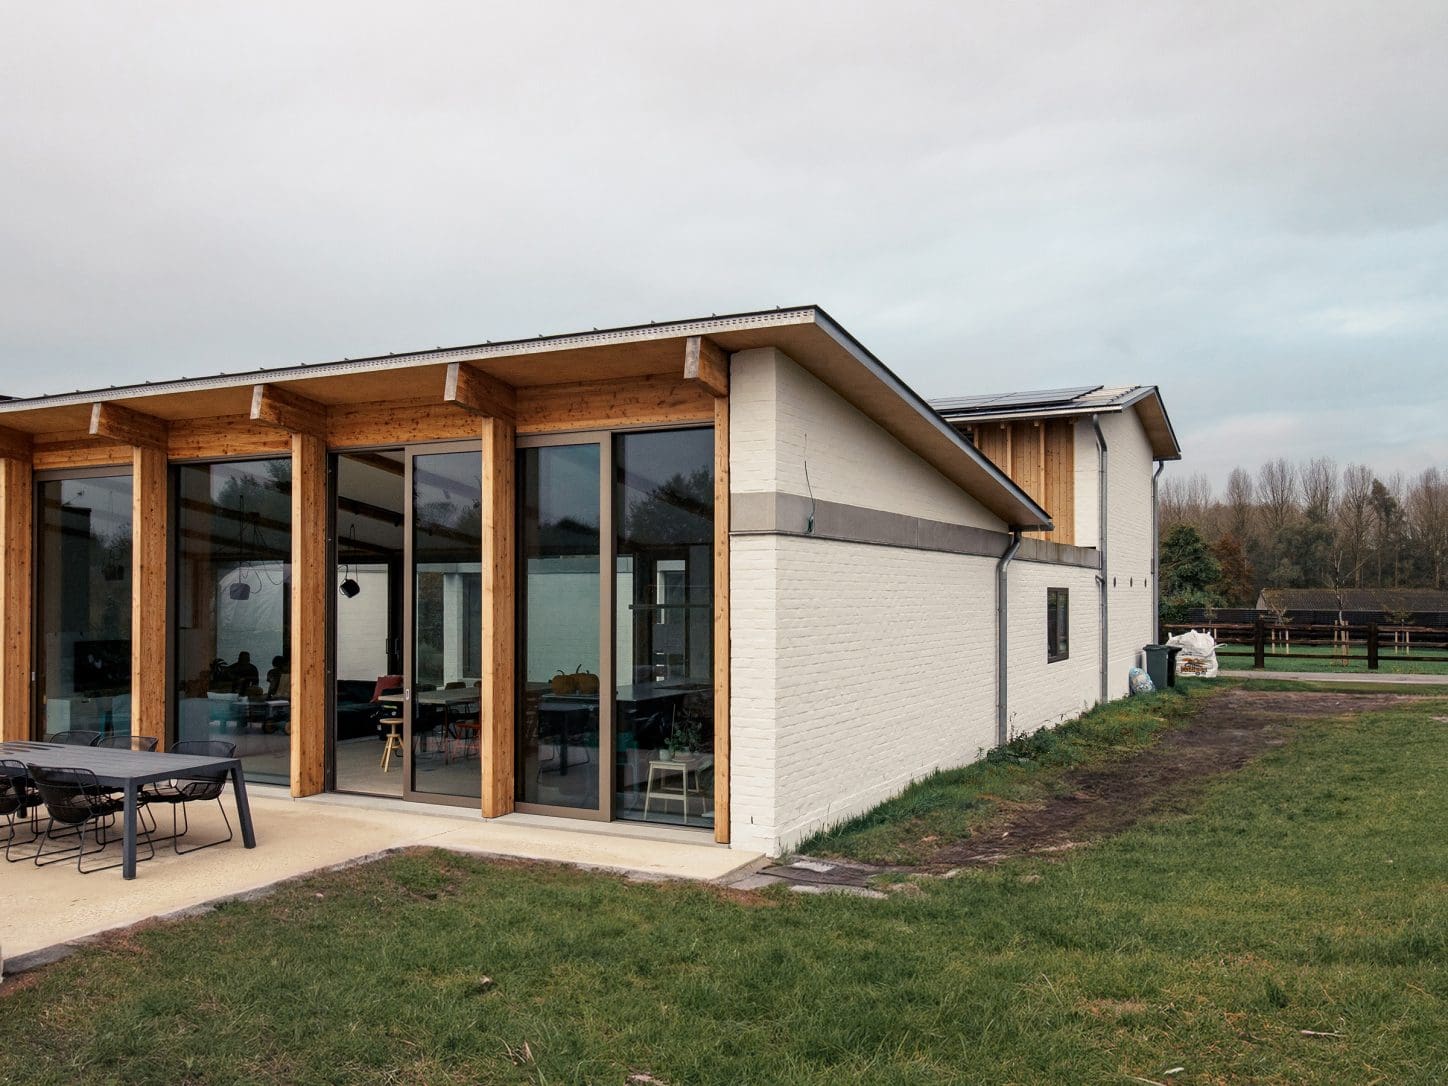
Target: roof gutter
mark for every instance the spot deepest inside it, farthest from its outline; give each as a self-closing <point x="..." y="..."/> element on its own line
<point x="1003" y="733"/>
<point x="1102" y="577"/>
<point x="1156" y="555"/>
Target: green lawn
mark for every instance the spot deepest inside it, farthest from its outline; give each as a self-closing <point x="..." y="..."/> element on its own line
<point x="1320" y="658"/>
<point x="1306" y="892"/>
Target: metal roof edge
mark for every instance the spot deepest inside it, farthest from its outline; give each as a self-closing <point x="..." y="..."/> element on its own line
<point x="1154" y="392"/>
<point x="1062" y="411"/>
<point x="867" y="358"/>
<point x="635" y="333"/>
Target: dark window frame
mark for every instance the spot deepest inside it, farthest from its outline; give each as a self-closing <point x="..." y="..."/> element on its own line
<point x="1058" y="624"/>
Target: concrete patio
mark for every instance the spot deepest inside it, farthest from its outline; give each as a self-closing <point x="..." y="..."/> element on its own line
<point x="44" y="910"/>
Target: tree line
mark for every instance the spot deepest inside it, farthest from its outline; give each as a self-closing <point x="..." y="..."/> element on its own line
<point x="1302" y="525"/>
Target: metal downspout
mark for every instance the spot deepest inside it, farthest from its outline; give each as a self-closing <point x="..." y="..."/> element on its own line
<point x="1156" y="630"/>
<point x="1102" y="577"/>
<point x="1002" y="639"/>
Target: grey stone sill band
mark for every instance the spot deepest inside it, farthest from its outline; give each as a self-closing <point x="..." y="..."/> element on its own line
<point x="776" y="513"/>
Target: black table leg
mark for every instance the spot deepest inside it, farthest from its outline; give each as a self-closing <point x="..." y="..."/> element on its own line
<point x="128" y="845"/>
<point x="243" y="808"/>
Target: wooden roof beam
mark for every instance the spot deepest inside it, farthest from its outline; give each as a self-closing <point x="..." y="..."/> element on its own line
<point x="479" y="392"/>
<point x="288" y="410"/>
<point x="706" y="362"/>
<point x="126" y="426"/>
<point x="15" y="445"/>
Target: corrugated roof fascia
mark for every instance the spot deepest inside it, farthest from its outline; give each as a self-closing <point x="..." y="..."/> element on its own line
<point x="867" y="358"/>
<point x="636" y="333"/>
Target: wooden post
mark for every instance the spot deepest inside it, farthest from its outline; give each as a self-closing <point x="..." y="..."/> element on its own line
<point x="1373" y="647"/>
<point x="721" y="620"/>
<point x="150" y="591"/>
<point x="16" y="520"/>
<point x="1259" y="645"/>
<point x="311" y="583"/>
<point x="498" y="691"/>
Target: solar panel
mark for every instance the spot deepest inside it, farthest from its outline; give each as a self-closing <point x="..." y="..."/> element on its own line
<point x="1010" y="401"/>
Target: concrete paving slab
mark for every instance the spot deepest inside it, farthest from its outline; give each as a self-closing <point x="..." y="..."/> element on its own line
<point x="45" y="907"/>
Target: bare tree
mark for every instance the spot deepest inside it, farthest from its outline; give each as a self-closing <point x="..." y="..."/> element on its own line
<point x="1319" y="489"/>
<point x="1426" y="507"/>
<point x="1355" y="518"/>
<point x="1240" y="497"/>
<point x="1277" y="492"/>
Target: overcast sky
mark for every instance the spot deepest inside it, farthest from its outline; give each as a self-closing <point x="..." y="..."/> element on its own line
<point x="1244" y="203"/>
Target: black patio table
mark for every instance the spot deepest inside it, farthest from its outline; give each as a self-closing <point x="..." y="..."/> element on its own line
<point x="126" y="771"/>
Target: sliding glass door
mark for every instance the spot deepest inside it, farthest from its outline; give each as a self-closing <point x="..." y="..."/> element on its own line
<point x="445" y="611"/>
<point x="563" y="676"/>
<point x="615" y="626"/>
<point x="232" y="610"/>
<point x="83" y="604"/>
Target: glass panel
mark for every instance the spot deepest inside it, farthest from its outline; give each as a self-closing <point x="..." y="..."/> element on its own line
<point x="370" y="518"/>
<point x="233" y="542"/>
<point x="558" y="588"/>
<point x="83" y="605"/>
<point x="447" y="612"/>
<point x="664" y="640"/>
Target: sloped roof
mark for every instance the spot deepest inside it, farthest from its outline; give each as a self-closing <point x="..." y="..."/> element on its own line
<point x="1069" y="403"/>
<point x="809" y="335"/>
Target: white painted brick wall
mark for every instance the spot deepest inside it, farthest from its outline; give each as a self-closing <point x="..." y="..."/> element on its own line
<point x="781" y="416"/>
<point x="1129" y="549"/>
<point x="1130" y="467"/>
<point x="1043" y="694"/>
<point x="877" y="667"/>
<point x="856" y="668"/>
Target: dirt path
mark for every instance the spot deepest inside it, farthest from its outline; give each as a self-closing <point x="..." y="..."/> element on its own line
<point x="1231" y="730"/>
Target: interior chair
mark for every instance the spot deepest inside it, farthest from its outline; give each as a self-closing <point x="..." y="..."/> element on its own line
<point x="197" y="786"/>
<point x="73" y="800"/>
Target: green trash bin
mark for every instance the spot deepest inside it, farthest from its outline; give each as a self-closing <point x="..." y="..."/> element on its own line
<point x="1161" y="664"/>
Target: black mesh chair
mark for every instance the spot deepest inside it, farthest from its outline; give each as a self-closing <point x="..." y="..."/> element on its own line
<point x="74" y="799"/>
<point x="196" y="787"/>
<point x="19" y="803"/>
<point x="128" y="742"/>
<point x="78" y="737"/>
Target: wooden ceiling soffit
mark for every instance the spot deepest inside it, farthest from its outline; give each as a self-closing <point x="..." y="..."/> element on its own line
<point x="706" y="362"/>
<point x="14" y="445"/>
<point x="480" y="393"/>
<point x="125" y="426"/>
<point x="289" y="411"/>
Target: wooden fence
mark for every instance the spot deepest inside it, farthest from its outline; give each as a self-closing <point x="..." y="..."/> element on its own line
<point x="1348" y="642"/>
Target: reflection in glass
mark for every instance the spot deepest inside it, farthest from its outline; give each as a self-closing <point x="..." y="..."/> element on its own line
<point x="367" y="595"/>
<point x="664" y="592"/>
<point x="83" y="605"/>
<point x="233" y="541"/>
<point x="558" y="589"/>
<point x="447" y="610"/>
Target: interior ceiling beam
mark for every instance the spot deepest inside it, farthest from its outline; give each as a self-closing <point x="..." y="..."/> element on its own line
<point x="481" y="393"/>
<point x="15" y="445"/>
<point x="288" y="410"/>
<point x="706" y="362"/>
<point x="127" y="426"/>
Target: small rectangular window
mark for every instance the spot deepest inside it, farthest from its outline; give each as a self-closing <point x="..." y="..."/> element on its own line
<point x="1058" y="624"/>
